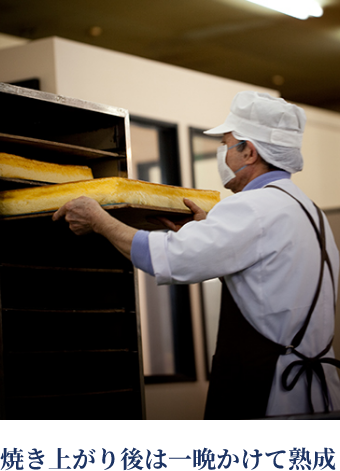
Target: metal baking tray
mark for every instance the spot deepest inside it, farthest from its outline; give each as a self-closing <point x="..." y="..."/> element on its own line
<point x="134" y="215"/>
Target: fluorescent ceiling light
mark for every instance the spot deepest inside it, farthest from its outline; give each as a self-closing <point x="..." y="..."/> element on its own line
<point x="301" y="9"/>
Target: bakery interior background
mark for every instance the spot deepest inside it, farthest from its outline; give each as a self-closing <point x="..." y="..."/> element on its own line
<point x="235" y="39"/>
<point x="236" y="45"/>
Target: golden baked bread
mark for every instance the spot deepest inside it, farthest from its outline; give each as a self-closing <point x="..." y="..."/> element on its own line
<point x="106" y="191"/>
<point x="14" y="166"/>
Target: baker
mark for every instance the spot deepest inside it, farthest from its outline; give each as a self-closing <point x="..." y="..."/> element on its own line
<point x="275" y="253"/>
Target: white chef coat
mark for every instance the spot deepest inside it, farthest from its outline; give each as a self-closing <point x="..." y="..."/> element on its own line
<point x="266" y="249"/>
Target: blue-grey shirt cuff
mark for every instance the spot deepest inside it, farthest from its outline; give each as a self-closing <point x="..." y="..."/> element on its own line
<point x="140" y="252"/>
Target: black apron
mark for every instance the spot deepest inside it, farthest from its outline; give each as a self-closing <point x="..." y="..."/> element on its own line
<point x="244" y="362"/>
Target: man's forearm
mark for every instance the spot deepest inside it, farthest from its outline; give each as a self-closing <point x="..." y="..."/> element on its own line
<point x="119" y="234"/>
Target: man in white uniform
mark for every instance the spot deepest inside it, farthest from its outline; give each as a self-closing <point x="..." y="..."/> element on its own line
<point x="276" y="255"/>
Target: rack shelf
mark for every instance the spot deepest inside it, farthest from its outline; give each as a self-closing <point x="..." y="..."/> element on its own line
<point x="56" y="147"/>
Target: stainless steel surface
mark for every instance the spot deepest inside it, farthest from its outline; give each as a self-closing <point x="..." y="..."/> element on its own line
<point x="63" y="100"/>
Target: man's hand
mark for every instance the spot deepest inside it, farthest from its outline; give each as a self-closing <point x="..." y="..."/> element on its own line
<point x="198" y="213"/>
<point x="82" y="214"/>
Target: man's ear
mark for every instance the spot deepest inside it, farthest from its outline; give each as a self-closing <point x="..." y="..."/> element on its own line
<point x="251" y="155"/>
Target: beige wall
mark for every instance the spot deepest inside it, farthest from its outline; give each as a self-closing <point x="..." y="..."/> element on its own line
<point x="7" y="40"/>
<point x="158" y="91"/>
<point x="34" y="59"/>
<point x="321" y="151"/>
<point x="146" y="88"/>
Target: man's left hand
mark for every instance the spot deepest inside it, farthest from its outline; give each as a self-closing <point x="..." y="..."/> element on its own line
<point x="198" y="215"/>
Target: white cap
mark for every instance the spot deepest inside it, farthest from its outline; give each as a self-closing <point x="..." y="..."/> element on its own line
<point x="261" y="117"/>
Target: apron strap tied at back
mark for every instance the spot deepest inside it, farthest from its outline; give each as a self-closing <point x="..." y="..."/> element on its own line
<point x="311" y="365"/>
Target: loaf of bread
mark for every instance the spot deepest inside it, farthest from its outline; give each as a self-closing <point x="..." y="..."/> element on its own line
<point x="106" y="191"/>
<point x="13" y="166"/>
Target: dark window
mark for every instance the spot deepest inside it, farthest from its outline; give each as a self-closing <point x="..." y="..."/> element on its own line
<point x="165" y="310"/>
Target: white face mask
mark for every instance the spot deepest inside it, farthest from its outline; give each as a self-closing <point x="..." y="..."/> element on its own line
<point x="226" y="174"/>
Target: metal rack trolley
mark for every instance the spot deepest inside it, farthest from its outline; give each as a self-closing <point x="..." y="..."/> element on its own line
<point x="70" y="344"/>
